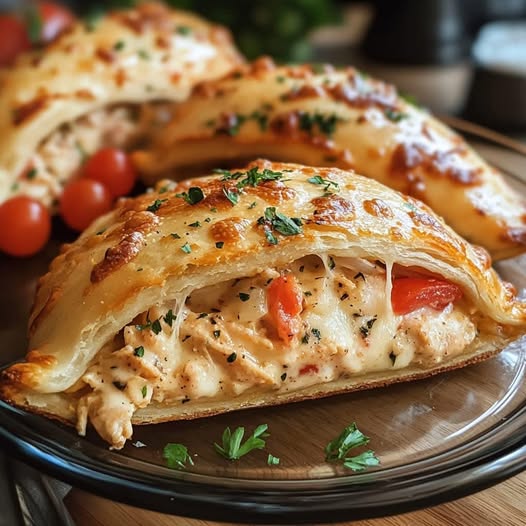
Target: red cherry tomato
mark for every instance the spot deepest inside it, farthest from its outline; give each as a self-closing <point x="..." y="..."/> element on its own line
<point x="55" y="19"/>
<point x="14" y="39"/>
<point x="83" y="201"/>
<point x="410" y="294"/>
<point x="25" y="226"/>
<point x="114" y="169"/>
<point x="285" y="303"/>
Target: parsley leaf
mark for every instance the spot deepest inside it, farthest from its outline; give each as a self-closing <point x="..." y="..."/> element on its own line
<point x="220" y="244"/>
<point x="139" y="351"/>
<point x="326" y="124"/>
<point x="34" y="24"/>
<point x="176" y="456"/>
<point x="156" y="327"/>
<point x="194" y="195"/>
<point x="286" y="226"/>
<point x="395" y="116"/>
<point x="169" y="318"/>
<point x="183" y="30"/>
<point x="186" y="248"/>
<point x="243" y="296"/>
<point x="272" y="460"/>
<point x="155" y="205"/>
<point x="328" y="185"/>
<point x="144" y="391"/>
<point x="361" y="462"/>
<point x="233" y="449"/>
<point x="232" y="196"/>
<point x="251" y="177"/>
<point x="351" y="437"/>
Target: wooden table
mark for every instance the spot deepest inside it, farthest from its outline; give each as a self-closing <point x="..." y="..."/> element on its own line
<point x="502" y="505"/>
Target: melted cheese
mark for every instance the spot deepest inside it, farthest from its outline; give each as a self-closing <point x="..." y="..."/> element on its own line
<point x="222" y="341"/>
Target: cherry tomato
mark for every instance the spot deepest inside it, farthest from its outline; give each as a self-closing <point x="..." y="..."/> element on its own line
<point x="285" y="303"/>
<point x="55" y="19"/>
<point x="410" y="294"/>
<point x="83" y="201"/>
<point x="25" y="226"/>
<point x="14" y="39"/>
<point x="114" y="169"/>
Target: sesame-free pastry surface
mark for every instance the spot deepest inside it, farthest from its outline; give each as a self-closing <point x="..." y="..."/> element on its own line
<point x="108" y="81"/>
<point x="323" y="116"/>
<point x="260" y="286"/>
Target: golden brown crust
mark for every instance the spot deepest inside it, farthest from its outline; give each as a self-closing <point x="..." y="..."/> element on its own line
<point x="342" y="118"/>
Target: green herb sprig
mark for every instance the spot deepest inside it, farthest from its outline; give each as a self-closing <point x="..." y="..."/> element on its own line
<point x="350" y="438"/>
<point x="232" y="447"/>
<point x="177" y="456"/>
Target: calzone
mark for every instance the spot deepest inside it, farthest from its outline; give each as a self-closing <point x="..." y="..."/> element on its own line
<point x="104" y="82"/>
<point x="328" y="117"/>
<point x="260" y="286"/>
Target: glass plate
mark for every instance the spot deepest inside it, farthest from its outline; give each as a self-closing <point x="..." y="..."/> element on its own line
<point x="438" y="439"/>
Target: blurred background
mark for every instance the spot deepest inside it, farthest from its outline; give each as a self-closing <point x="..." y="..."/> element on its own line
<point x="460" y="57"/>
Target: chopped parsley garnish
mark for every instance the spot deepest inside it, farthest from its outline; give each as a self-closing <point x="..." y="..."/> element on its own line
<point x="243" y="296"/>
<point x="274" y="220"/>
<point x="272" y="460"/>
<point x="169" y="318"/>
<point x="119" y="46"/>
<point x="202" y="315"/>
<point x="328" y="185"/>
<point x="395" y="116"/>
<point x="392" y="357"/>
<point x="176" y="236"/>
<point x="144" y="54"/>
<point x="252" y="205"/>
<point x="183" y="30"/>
<point x="186" y="248"/>
<point x="220" y="244"/>
<point x="139" y="351"/>
<point x="283" y="377"/>
<point x="331" y="263"/>
<point x="280" y="79"/>
<point x="344" y="296"/>
<point x="196" y="224"/>
<point x="231" y="195"/>
<point x="261" y="119"/>
<point x="305" y="338"/>
<point x="156" y="327"/>
<point x="213" y="210"/>
<point x="316" y="333"/>
<point x="326" y="124"/>
<point x="231" y="357"/>
<point x="31" y="174"/>
<point x="194" y="195"/>
<point x="252" y="177"/>
<point x="155" y="205"/>
<point x="231" y="443"/>
<point x="100" y="232"/>
<point x="119" y="385"/>
<point x="217" y="334"/>
<point x="351" y="437"/>
<point x="144" y="391"/>
<point x="365" y="329"/>
<point x="176" y="456"/>
<point x="308" y="293"/>
<point x="92" y="19"/>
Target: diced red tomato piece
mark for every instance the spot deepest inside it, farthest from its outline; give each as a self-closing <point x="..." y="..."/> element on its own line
<point x="308" y="369"/>
<point x="285" y="303"/>
<point x="14" y="39"/>
<point x="410" y="294"/>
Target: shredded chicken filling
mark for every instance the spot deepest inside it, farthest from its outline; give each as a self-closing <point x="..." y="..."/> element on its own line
<point x="60" y="156"/>
<point x="222" y="342"/>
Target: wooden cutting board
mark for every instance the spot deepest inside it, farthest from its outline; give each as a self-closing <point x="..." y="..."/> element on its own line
<point x="502" y="505"/>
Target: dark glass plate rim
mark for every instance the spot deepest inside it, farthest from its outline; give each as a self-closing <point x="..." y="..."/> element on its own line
<point x="481" y="462"/>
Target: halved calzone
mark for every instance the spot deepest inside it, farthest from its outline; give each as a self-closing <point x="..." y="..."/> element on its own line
<point x="104" y="82"/>
<point x="267" y="285"/>
<point x="328" y="117"/>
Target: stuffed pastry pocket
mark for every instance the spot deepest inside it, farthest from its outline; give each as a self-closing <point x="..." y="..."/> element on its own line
<point x="328" y="117"/>
<point x="255" y="287"/>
